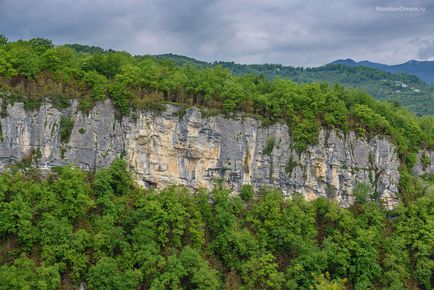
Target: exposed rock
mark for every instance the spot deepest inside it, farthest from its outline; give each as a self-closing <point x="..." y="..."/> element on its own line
<point x="82" y="286"/>
<point x="196" y="151"/>
<point x="424" y="163"/>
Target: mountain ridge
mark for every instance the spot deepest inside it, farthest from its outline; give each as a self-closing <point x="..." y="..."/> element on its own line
<point x="422" y="69"/>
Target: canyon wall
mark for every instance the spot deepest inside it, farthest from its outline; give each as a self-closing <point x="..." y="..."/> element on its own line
<point x="187" y="148"/>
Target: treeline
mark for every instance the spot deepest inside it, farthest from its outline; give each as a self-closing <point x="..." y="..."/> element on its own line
<point x="74" y="227"/>
<point x="380" y="84"/>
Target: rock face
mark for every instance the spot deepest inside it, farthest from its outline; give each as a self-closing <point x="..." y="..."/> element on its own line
<point x="196" y="151"/>
<point x="424" y="163"/>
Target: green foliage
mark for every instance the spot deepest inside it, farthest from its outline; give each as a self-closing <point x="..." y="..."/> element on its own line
<point x="106" y="274"/>
<point x="415" y="226"/>
<point x="322" y="282"/>
<point x="106" y="64"/>
<point x="23" y="274"/>
<point x="269" y="146"/>
<point x="362" y="192"/>
<point x="6" y="67"/>
<point x="65" y="128"/>
<point x="247" y="192"/>
<point x="305" y="132"/>
<point x="74" y="192"/>
<point x="383" y="85"/>
<point x="24" y="61"/>
<point x="40" y="45"/>
<point x="97" y="84"/>
<point x="290" y="166"/>
<point x="102" y="229"/>
<point x="31" y="71"/>
<point x="36" y="154"/>
<point x="425" y="160"/>
<point x="120" y="97"/>
<point x="188" y="266"/>
<point x="58" y="59"/>
<point x="369" y="121"/>
<point x="71" y="227"/>
<point x="3" y="40"/>
<point x="262" y="273"/>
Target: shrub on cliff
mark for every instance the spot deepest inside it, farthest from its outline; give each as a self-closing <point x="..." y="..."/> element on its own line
<point x="65" y="128"/>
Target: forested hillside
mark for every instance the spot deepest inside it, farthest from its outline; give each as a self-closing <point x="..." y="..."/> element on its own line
<point x="65" y="227"/>
<point x="423" y="69"/>
<point x="404" y="89"/>
<point x="72" y="227"/>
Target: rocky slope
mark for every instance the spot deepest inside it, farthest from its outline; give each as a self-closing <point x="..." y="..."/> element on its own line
<point x="196" y="151"/>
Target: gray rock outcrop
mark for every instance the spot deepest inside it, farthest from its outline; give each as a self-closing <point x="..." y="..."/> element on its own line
<point x="424" y="163"/>
<point x="196" y="151"/>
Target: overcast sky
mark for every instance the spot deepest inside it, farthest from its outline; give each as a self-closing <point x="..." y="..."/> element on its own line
<point x="300" y="33"/>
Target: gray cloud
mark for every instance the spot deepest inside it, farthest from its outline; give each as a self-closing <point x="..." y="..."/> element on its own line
<point x="426" y="50"/>
<point x="294" y="32"/>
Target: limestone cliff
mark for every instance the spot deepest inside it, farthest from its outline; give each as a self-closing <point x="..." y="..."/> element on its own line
<point x="424" y="163"/>
<point x="196" y="151"/>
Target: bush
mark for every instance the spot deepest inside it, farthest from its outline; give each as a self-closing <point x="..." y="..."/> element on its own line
<point x="247" y="192"/>
<point x="362" y="192"/>
<point x="120" y="97"/>
<point x="269" y="146"/>
<point x="97" y="83"/>
<point x="65" y="128"/>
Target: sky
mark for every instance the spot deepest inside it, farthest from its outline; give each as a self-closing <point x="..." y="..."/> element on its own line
<point x="298" y="33"/>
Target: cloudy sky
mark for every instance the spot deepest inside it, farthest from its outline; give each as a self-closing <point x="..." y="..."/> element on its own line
<point x="297" y="32"/>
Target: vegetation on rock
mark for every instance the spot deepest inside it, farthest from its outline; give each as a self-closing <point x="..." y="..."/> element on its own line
<point x="65" y="127"/>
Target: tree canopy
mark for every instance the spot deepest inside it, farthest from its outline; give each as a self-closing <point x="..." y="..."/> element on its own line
<point x="74" y="227"/>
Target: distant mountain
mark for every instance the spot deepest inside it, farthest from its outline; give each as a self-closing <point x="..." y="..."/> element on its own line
<point x="423" y="69"/>
<point x="406" y="89"/>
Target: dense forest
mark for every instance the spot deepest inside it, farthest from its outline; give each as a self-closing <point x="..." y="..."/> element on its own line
<point x="404" y="89"/>
<point x="69" y="226"/>
<point x="73" y="227"/>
